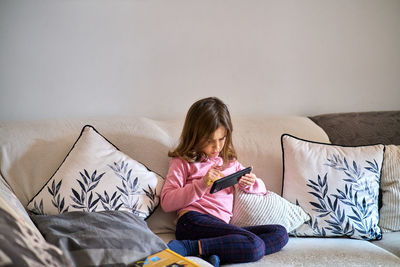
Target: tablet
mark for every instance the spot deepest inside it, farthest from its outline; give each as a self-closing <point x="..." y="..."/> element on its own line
<point x="228" y="181"/>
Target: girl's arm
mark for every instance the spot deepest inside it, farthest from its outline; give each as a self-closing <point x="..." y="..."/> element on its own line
<point x="176" y="193"/>
<point x="249" y="183"/>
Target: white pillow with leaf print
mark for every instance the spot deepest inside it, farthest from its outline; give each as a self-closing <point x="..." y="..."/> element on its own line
<point x="337" y="186"/>
<point x="96" y="176"/>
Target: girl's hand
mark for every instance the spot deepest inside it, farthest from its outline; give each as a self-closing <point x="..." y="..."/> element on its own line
<point x="247" y="179"/>
<point x="212" y="175"/>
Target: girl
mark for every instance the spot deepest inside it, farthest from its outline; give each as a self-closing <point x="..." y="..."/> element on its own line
<point x="204" y="154"/>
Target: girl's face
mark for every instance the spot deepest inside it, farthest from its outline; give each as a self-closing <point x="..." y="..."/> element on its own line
<point x="215" y="143"/>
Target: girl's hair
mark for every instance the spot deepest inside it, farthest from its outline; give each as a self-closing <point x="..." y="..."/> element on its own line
<point x="202" y="119"/>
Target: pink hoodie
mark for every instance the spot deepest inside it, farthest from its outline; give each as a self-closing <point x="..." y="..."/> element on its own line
<point x="185" y="190"/>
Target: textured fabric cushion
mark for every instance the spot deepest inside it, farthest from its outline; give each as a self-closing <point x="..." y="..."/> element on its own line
<point x="361" y="128"/>
<point x="21" y="244"/>
<point x="96" y="176"/>
<point x="252" y="209"/>
<point x="114" y="238"/>
<point x="327" y="252"/>
<point x="390" y="242"/>
<point x="31" y="151"/>
<point x="257" y="143"/>
<point x="390" y="186"/>
<point x="161" y="222"/>
<point x="337" y="186"/>
<point x="10" y="202"/>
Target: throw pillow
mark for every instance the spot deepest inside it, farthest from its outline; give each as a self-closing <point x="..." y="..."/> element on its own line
<point x="390" y="186"/>
<point x="112" y="238"/>
<point x="252" y="209"/>
<point x="10" y="202"/>
<point x="337" y="186"/>
<point x="21" y="243"/>
<point x="96" y="176"/>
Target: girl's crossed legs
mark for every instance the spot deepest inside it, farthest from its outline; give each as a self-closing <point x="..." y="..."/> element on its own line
<point x="231" y="243"/>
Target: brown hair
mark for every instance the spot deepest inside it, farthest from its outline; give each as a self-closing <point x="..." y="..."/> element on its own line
<point x="202" y="119"/>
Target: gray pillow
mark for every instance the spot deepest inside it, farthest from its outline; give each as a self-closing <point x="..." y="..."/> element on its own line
<point x="361" y="128"/>
<point x="98" y="238"/>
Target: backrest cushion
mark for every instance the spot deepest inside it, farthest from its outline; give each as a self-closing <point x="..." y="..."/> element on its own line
<point x="30" y="152"/>
<point x="361" y="128"/>
<point x="257" y="143"/>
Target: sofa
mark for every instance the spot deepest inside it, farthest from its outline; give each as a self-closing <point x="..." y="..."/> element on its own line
<point x="296" y="156"/>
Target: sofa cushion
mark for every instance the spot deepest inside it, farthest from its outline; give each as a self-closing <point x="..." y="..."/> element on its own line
<point x="252" y="209"/>
<point x="329" y="252"/>
<point x="96" y="176"/>
<point x="315" y="251"/>
<point x="338" y="186"/>
<point x="257" y="143"/>
<point x="161" y="222"/>
<point x="361" y="128"/>
<point x="10" y="202"/>
<point x="390" y="187"/>
<point x="31" y="151"/>
<point x="390" y="242"/>
<point x="100" y="238"/>
<point x="21" y="244"/>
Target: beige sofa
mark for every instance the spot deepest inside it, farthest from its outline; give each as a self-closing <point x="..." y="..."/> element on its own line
<point x="31" y="151"/>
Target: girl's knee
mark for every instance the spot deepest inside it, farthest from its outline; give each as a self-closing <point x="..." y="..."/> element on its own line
<point x="276" y="241"/>
<point x="256" y="250"/>
<point x="283" y="235"/>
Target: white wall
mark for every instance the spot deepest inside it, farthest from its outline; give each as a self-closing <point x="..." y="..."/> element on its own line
<point x="155" y="57"/>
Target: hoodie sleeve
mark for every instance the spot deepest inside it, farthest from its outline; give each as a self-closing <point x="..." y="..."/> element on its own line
<point x="176" y="192"/>
<point x="257" y="188"/>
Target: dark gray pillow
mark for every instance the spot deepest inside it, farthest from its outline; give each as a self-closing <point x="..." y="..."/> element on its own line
<point x="361" y="128"/>
<point x="98" y="238"/>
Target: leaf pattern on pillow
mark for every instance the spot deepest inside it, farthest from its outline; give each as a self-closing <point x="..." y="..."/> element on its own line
<point x="358" y="198"/>
<point x="57" y="201"/>
<point x="91" y="180"/>
<point x="328" y="206"/>
<point x="87" y="184"/>
<point x="130" y="187"/>
<point x="152" y="196"/>
<point x="38" y="208"/>
<point x="110" y="203"/>
<point x="128" y="196"/>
